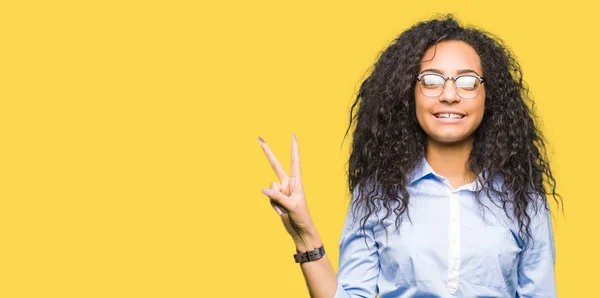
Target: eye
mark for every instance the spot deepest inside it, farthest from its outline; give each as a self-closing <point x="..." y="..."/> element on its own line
<point x="432" y="80"/>
<point x="467" y="82"/>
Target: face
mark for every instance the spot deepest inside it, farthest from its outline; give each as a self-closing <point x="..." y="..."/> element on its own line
<point x="448" y="118"/>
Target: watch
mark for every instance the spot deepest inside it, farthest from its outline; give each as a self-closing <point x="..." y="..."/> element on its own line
<point x="311" y="255"/>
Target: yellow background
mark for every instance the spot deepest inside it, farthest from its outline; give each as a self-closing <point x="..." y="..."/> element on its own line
<point x="129" y="164"/>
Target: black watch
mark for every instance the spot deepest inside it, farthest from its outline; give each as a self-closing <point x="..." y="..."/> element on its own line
<point x="308" y="256"/>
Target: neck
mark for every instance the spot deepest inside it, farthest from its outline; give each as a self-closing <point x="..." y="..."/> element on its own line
<point x="451" y="160"/>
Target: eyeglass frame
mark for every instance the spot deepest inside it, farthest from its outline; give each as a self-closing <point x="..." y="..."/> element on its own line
<point x="481" y="81"/>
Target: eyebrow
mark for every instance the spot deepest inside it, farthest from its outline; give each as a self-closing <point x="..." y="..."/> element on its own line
<point x="459" y="72"/>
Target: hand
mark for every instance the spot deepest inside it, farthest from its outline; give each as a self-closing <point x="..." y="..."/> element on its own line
<point x="288" y="199"/>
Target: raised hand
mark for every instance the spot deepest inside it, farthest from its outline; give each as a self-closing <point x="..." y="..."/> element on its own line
<point x="288" y="199"/>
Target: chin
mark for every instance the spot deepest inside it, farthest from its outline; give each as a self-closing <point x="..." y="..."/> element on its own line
<point x="448" y="140"/>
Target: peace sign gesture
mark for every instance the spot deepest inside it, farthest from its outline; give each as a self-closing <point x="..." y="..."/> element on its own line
<point x="288" y="199"/>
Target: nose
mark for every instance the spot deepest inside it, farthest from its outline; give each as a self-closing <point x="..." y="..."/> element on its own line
<point x="449" y="94"/>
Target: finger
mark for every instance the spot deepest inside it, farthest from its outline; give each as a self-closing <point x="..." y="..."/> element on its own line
<point x="278" y="198"/>
<point x="277" y="208"/>
<point x="276" y="186"/>
<point x="272" y="160"/>
<point x="278" y="189"/>
<point x="295" y="164"/>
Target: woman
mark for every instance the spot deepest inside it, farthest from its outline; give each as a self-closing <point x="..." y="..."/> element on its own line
<point x="448" y="173"/>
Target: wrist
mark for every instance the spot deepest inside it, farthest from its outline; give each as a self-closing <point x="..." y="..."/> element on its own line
<point x="307" y="241"/>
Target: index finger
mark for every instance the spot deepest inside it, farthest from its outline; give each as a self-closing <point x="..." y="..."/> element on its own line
<point x="273" y="160"/>
<point x="295" y="164"/>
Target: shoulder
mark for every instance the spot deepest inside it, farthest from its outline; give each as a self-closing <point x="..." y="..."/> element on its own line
<point x="367" y="206"/>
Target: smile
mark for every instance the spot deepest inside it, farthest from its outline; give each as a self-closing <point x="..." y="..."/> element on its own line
<point x="448" y="116"/>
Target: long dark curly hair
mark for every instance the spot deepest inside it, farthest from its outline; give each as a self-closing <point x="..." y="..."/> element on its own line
<point x="388" y="142"/>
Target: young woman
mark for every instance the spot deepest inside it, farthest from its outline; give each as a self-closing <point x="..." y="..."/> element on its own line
<point x="449" y="177"/>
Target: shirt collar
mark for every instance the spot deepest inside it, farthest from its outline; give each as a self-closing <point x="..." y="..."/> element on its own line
<point x="421" y="170"/>
<point x="424" y="170"/>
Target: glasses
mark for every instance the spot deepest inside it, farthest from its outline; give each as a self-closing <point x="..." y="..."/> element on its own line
<point x="465" y="86"/>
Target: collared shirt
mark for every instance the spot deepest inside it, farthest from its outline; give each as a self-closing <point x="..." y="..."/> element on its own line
<point x="452" y="248"/>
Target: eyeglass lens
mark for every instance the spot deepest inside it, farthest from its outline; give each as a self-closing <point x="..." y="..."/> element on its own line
<point x="465" y="86"/>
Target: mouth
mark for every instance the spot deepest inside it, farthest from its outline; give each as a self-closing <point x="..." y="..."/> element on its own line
<point x="448" y="116"/>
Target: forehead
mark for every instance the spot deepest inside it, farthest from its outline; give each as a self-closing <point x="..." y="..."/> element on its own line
<point x="450" y="57"/>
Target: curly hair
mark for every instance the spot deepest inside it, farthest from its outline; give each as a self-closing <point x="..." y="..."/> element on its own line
<point x="388" y="142"/>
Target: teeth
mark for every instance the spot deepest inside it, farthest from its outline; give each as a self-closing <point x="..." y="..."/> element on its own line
<point x="449" y="115"/>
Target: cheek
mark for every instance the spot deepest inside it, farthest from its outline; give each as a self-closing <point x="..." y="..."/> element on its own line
<point x="480" y="107"/>
<point x="477" y="112"/>
<point x="421" y="110"/>
<point x="422" y="104"/>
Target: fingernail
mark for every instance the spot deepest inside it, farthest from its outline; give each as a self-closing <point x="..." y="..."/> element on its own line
<point x="294" y="136"/>
<point x="267" y="192"/>
<point x="277" y="209"/>
<point x="261" y="140"/>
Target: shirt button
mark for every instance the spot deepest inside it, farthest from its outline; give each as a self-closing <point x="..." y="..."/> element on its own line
<point x="452" y="288"/>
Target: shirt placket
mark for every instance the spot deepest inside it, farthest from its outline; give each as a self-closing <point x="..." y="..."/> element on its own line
<point x="453" y="242"/>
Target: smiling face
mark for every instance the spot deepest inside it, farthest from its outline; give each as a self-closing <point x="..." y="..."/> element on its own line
<point x="449" y="118"/>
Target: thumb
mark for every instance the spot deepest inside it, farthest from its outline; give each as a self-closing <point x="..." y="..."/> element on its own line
<point x="277" y="197"/>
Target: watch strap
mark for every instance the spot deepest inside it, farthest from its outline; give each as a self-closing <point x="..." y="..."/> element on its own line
<point x="311" y="255"/>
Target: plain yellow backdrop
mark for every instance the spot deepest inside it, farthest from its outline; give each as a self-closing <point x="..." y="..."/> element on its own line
<point x="129" y="162"/>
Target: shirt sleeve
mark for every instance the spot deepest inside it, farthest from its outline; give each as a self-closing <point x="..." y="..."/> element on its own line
<point x="359" y="258"/>
<point x="536" y="264"/>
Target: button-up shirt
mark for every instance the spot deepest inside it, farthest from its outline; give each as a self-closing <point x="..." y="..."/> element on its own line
<point x="451" y="247"/>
